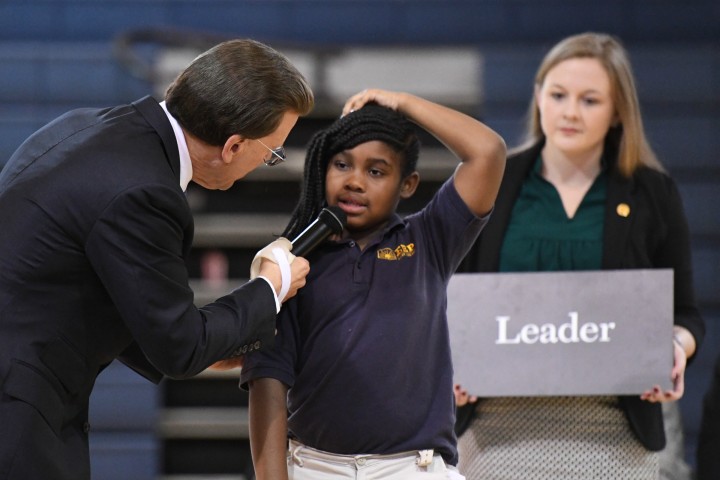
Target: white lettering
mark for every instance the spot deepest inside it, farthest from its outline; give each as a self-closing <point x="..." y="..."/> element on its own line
<point x="529" y="333"/>
<point x="604" y="327"/>
<point x="502" y="332"/>
<point x="588" y="332"/>
<point x="572" y="325"/>
<point x="547" y="333"/>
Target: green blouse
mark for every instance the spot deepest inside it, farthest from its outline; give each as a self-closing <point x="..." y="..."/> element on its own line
<point x="540" y="236"/>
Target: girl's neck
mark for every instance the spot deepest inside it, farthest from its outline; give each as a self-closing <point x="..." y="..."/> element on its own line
<point x="363" y="238"/>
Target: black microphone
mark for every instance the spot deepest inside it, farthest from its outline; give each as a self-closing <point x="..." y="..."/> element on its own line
<point x="330" y="220"/>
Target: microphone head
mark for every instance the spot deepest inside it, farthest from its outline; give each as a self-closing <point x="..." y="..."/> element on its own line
<point x="331" y="220"/>
<point x="333" y="217"/>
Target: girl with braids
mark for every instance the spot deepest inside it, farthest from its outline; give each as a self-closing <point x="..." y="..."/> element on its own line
<point x="360" y="377"/>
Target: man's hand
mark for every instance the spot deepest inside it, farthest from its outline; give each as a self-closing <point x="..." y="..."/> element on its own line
<point x="299" y="269"/>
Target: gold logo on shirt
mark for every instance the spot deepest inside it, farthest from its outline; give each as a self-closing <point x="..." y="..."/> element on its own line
<point x="396" y="254"/>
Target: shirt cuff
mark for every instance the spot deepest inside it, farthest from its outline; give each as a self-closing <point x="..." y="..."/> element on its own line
<point x="277" y="300"/>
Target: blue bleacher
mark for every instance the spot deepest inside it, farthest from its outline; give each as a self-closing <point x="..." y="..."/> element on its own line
<point x="123" y="415"/>
<point x="365" y="21"/>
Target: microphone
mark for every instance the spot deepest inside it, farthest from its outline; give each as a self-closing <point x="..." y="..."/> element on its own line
<point x="330" y="220"/>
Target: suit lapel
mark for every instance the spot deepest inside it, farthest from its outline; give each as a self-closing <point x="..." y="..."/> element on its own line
<point x="155" y="116"/>
<point x="619" y="216"/>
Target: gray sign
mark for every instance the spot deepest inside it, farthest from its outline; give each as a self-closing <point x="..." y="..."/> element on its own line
<point x="562" y="333"/>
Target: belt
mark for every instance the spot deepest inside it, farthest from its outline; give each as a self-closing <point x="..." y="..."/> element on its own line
<point x="423" y="458"/>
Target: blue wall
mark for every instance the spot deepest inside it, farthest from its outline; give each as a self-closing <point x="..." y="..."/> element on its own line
<point x="367" y="21"/>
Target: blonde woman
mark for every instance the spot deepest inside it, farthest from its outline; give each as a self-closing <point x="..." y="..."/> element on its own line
<point x="584" y="192"/>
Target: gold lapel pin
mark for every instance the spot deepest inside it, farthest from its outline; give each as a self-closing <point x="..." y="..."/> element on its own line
<point x="623" y="209"/>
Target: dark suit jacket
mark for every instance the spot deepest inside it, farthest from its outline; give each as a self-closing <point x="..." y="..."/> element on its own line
<point x="94" y="231"/>
<point x="653" y="235"/>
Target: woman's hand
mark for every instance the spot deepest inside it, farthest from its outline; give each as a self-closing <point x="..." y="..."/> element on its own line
<point x="678" y="378"/>
<point x="462" y="397"/>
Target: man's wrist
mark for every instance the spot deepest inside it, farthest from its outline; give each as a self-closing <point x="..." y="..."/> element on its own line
<point x="277" y="300"/>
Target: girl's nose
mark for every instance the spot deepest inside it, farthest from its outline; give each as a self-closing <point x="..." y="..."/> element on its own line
<point x="354" y="182"/>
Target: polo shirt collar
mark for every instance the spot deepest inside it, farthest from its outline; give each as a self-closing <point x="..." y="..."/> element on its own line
<point x="395" y="222"/>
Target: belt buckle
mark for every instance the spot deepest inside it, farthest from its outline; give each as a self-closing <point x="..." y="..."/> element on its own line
<point x="425" y="457"/>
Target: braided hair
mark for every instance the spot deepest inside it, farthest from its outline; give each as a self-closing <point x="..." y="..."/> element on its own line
<point x="372" y="122"/>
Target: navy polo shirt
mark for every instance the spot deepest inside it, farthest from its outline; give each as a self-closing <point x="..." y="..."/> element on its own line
<point x="364" y="345"/>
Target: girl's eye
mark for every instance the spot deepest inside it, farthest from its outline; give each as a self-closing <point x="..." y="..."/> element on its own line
<point x="556" y="95"/>
<point x="340" y="165"/>
<point x="591" y="101"/>
<point x="375" y="172"/>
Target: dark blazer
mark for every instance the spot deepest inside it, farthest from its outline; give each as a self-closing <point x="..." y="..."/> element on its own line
<point x="94" y="232"/>
<point x="653" y="235"/>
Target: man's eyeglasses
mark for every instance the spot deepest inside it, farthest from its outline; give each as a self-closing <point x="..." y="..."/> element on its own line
<point x="276" y="156"/>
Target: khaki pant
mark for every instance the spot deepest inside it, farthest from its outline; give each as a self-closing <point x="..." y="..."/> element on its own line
<point x="305" y="463"/>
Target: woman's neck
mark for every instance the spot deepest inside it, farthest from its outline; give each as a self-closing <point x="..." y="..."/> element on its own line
<point x="560" y="168"/>
<point x="571" y="175"/>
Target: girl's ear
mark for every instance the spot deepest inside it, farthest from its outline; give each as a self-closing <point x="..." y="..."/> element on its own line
<point x="408" y="185"/>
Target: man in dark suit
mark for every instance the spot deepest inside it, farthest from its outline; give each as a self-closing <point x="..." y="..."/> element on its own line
<point x="94" y="231"/>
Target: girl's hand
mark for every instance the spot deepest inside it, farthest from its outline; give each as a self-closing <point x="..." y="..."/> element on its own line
<point x="384" y="98"/>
